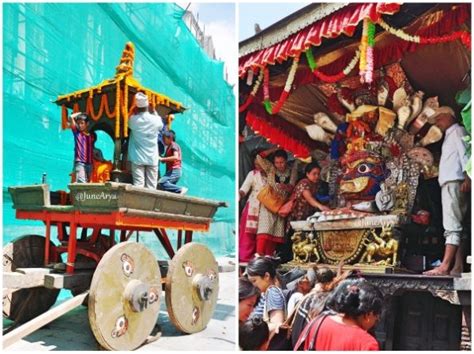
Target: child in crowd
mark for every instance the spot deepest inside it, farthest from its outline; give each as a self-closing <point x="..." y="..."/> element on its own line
<point x="83" y="146"/>
<point x="172" y="159"/>
<point x="254" y="334"/>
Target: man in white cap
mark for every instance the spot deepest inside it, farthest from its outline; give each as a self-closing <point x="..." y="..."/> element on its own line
<point x="143" y="145"/>
<point x="455" y="184"/>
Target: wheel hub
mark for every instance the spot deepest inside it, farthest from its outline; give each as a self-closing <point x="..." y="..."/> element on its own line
<point x="137" y="294"/>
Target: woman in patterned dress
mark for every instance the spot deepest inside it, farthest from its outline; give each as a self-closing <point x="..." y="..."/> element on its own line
<point x="305" y="204"/>
<point x="271" y="227"/>
<point x="254" y="182"/>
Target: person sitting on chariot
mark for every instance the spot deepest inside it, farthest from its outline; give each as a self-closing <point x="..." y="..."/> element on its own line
<point x="96" y="153"/>
<point x="101" y="168"/>
<point x="143" y="145"/>
<point x="172" y="160"/>
<point x="83" y="146"/>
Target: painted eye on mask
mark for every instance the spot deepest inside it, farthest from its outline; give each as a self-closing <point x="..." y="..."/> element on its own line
<point x="365" y="168"/>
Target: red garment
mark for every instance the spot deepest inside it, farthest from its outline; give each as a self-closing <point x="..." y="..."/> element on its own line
<point x="266" y="244"/>
<point x="336" y="336"/>
<point x="170" y="149"/>
<point x="247" y="241"/>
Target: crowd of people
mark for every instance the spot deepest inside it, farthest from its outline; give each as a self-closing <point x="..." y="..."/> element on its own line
<point x="274" y="199"/>
<point x="307" y="313"/>
<point x="150" y="143"/>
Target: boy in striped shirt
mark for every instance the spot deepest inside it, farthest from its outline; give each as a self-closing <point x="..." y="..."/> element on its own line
<point x="83" y="146"/>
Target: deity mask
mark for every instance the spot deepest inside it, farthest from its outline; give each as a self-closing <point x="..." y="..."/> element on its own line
<point x="362" y="173"/>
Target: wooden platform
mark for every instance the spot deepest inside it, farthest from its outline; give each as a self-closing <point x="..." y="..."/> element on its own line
<point x="367" y="222"/>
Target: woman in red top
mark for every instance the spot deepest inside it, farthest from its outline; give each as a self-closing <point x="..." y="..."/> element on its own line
<point x="357" y="305"/>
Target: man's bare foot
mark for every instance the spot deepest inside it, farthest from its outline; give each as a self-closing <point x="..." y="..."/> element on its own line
<point x="456" y="272"/>
<point x="440" y="271"/>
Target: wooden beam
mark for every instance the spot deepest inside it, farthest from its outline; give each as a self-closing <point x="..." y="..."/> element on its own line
<point x="24" y="278"/>
<point x="45" y="318"/>
<point x="68" y="281"/>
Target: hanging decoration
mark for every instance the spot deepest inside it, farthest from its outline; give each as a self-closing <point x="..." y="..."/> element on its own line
<point x="337" y="77"/>
<point x="281" y="133"/>
<point x="266" y="91"/>
<point x="252" y="94"/>
<point x="464" y="36"/>
<point x="275" y="108"/>
<point x="366" y="63"/>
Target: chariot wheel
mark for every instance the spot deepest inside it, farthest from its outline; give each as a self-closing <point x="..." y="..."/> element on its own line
<point x="23" y="305"/>
<point x="124" y="296"/>
<point x="192" y="286"/>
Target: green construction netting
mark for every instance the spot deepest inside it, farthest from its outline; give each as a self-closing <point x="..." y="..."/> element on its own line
<point x="56" y="48"/>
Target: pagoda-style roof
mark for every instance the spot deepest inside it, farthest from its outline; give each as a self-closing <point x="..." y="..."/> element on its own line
<point x="100" y="101"/>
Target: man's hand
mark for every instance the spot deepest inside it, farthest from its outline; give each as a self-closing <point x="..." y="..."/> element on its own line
<point x="466" y="185"/>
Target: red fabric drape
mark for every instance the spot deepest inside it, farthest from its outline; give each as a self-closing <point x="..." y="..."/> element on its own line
<point x="343" y="21"/>
<point x="282" y="133"/>
<point x="390" y="53"/>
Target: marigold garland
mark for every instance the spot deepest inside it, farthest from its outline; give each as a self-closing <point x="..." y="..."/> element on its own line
<point x="252" y="94"/>
<point x="117" y="108"/>
<point x="105" y="100"/>
<point x="125" y="109"/>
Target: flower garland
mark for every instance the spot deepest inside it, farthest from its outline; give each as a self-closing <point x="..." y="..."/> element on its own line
<point x="275" y="108"/>
<point x="366" y="64"/>
<point x="464" y="36"/>
<point x="125" y="109"/>
<point x="331" y="78"/>
<point x="266" y="91"/>
<point x="252" y="94"/>
<point x="117" y="108"/>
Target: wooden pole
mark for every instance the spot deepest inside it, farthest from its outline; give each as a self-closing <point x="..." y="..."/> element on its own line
<point x="45" y="318"/>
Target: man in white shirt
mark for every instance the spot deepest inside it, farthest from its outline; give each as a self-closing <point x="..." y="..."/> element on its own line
<point x="455" y="184"/>
<point x="143" y="145"/>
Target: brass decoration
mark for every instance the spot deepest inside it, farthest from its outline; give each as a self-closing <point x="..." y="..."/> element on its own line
<point x="346" y="245"/>
<point x="304" y="248"/>
<point x="401" y="203"/>
<point x="382" y="246"/>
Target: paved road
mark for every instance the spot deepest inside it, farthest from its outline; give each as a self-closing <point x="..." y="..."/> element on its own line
<point x="72" y="331"/>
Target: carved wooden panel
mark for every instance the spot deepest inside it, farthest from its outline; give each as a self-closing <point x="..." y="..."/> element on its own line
<point x="424" y="322"/>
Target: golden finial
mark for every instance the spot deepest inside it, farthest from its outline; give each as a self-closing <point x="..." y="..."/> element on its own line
<point x="125" y="68"/>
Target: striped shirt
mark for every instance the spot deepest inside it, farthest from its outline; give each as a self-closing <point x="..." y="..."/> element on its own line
<point x="83" y="146"/>
<point x="275" y="301"/>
